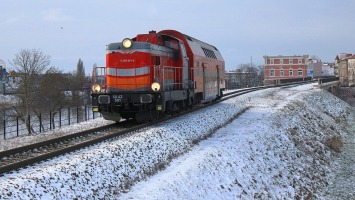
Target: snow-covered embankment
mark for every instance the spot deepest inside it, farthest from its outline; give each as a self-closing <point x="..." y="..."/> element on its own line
<point x="277" y="148"/>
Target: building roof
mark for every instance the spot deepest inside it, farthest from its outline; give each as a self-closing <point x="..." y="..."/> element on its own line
<point x="282" y="56"/>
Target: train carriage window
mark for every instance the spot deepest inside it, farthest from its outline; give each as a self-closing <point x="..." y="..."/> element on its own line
<point x="176" y="56"/>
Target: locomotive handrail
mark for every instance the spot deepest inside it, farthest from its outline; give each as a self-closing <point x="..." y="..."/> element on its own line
<point x="99" y="78"/>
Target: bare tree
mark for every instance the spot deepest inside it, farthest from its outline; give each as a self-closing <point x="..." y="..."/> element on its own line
<point x="28" y="64"/>
<point x="51" y="93"/>
<point x="78" y="81"/>
<point x="249" y="75"/>
<point x="80" y="71"/>
<point x="246" y="68"/>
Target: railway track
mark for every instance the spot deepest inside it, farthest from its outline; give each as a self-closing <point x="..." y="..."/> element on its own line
<point x="16" y="158"/>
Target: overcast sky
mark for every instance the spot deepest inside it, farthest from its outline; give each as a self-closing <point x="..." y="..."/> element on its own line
<point x="243" y="30"/>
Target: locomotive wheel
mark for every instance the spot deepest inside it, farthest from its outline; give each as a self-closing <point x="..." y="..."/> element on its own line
<point x="154" y="115"/>
<point x="170" y="107"/>
<point x="192" y="104"/>
<point x="175" y="107"/>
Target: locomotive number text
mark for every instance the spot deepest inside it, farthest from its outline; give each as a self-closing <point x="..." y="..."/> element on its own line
<point x="117" y="98"/>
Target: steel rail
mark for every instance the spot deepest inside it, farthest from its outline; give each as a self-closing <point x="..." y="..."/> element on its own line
<point x="29" y="147"/>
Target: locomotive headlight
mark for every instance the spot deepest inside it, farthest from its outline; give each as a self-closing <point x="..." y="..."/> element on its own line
<point x="127" y="43"/>
<point x="96" y="88"/>
<point x="155" y="86"/>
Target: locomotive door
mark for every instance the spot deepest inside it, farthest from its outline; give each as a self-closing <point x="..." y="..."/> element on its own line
<point x="218" y="81"/>
<point x="185" y="66"/>
<point x="204" y="68"/>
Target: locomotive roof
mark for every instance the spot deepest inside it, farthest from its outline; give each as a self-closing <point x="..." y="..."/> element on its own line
<point x="203" y="49"/>
<point x="195" y="46"/>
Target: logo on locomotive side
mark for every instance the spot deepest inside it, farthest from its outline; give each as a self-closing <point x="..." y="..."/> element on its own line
<point x="127" y="60"/>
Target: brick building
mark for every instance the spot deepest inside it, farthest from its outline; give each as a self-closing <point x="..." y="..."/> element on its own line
<point x="345" y="69"/>
<point x="345" y="66"/>
<point x="284" y="67"/>
<point x="351" y="70"/>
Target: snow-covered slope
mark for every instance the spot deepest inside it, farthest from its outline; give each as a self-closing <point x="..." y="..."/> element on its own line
<point x="273" y="143"/>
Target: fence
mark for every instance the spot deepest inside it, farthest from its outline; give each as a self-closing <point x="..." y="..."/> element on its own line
<point x="14" y="127"/>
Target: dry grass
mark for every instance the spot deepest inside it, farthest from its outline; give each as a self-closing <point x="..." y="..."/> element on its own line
<point x="334" y="143"/>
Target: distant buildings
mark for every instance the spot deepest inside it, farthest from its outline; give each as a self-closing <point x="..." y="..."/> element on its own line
<point x="344" y="68"/>
<point x="314" y="68"/>
<point x="327" y="69"/>
<point x="4" y="75"/>
<point x="317" y="68"/>
<point x="295" y="67"/>
<point x="284" y="67"/>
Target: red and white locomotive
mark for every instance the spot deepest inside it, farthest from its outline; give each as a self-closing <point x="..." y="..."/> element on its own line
<point x="156" y="73"/>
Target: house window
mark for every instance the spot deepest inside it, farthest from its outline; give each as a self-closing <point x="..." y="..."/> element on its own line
<point x="281" y="72"/>
<point x="272" y="72"/>
<point x="281" y="61"/>
<point x="272" y="61"/>
<point x="291" y="72"/>
<point x="300" y="61"/>
<point x="300" y="73"/>
<point x="290" y="61"/>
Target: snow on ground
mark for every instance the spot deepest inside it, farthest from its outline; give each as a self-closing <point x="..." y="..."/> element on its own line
<point x="342" y="182"/>
<point x="7" y="99"/>
<point x="273" y="143"/>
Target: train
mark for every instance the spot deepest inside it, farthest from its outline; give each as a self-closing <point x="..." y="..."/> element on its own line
<point x="156" y="74"/>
